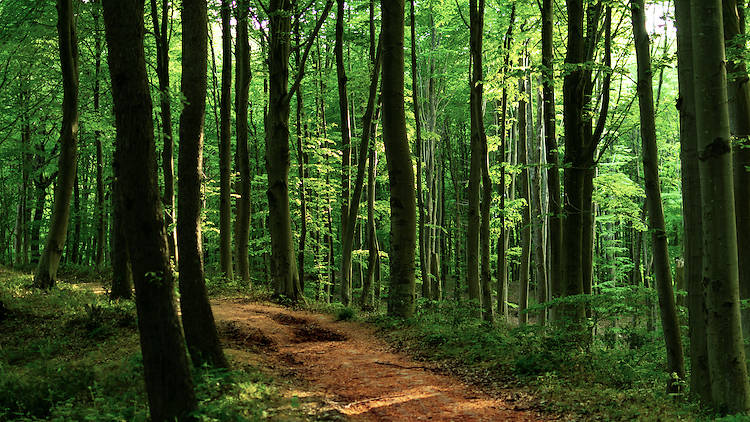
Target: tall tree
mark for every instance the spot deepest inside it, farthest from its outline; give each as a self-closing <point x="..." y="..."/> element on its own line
<point x="662" y="272"/>
<point x="700" y="381"/>
<point x="478" y="139"/>
<point x="168" y="381"/>
<point x="730" y="390"/>
<point x="242" y="82"/>
<point x="46" y="270"/>
<point x="346" y="270"/>
<point x="197" y="318"/>
<point x="398" y="158"/>
<point x="225" y="145"/>
<point x="523" y="161"/>
<point x="553" y="160"/>
<point x="165" y="105"/>
<point x="100" y="211"/>
<point x="284" y="271"/>
<point x="424" y="258"/>
<point x="738" y="92"/>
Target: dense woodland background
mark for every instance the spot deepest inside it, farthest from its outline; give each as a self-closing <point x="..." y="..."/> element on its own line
<point x="578" y="166"/>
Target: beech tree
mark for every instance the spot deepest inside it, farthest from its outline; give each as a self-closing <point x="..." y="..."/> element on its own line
<point x="46" y="270"/>
<point x="168" y="381"/>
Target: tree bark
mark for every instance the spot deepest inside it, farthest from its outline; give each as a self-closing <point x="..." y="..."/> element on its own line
<point x="225" y="145"/>
<point x="167" y="154"/>
<point x="242" y="224"/>
<point x="700" y="381"/>
<point x="197" y="319"/>
<point x="730" y="390"/>
<point x="346" y="262"/>
<point x="46" y="271"/>
<point x="662" y="271"/>
<point x="738" y="91"/>
<point x="168" y="380"/>
<point x="523" y="161"/>
<point x="100" y="211"/>
<point x="398" y="158"/>
<point x="553" y="160"/>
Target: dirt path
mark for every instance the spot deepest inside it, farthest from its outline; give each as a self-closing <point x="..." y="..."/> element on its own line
<point x="351" y="372"/>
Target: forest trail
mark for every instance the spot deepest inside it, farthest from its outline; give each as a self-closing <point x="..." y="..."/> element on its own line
<point x="352" y="373"/>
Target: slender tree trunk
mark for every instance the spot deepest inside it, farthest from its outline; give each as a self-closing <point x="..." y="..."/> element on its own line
<point x="346" y="263"/>
<point x="398" y="158"/>
<point x="738" y="91"/>
<point x="46" y="271"/>
<point x="167" y="154"/>
<point x="478" y="139"/>
<point x="100" y="222"/>
<point x="730" y="390"/>
<point x="197" y="319"/>
<point x="536" y="150"/>
<point x="423" y="250"/>
<point x="301" y="160"/>
<point x="225" y="145"/>
<point x="550" y="140"/>
<point x="168" y="380"/>
<point x="700" y="380"/>
<point x="523" y="279"/>
<point x="242" y="81"/>
<point x="669" y="320"/>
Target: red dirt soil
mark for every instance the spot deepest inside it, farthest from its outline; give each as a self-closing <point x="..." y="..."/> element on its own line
<point x="347" y="364"/>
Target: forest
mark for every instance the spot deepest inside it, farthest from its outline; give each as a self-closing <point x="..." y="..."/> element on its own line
<point x="374" y="210"/>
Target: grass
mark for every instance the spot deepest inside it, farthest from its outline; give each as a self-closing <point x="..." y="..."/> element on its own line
<point x="70" y="354"/>
<point x="616" y="377"/>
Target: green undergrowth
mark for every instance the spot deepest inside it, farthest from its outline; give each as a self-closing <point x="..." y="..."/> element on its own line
<point x="70" y="354"/>
<point x="616" y="374"/>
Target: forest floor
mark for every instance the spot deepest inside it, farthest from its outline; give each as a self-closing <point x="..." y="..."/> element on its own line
<point x="341" y="367"/>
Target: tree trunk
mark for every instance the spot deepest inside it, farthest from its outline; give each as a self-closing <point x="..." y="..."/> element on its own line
<point x="669" y="320"/>
<point x="242" y="81"/>
<point x="167" y="154"/>
<point x="225" y="145"/>
<point x="523" y="278"/>
<point x="424" y="266"/>
<point x="478" y="140"/>
<point x="738" y="91"/>
<point x="730" y="390"/>
<point x="46" y="271"/>
<point x="301" y="161"/>
<point x="550" y="140"/>
<point x="346" y="263"/>
<point x="536" y="150"/>
<point x="197" y="319"/>
<point x="398" y="158"/>
<point x="100" y="211"/>
<point x="122" y="275"/>
<point x="168" y="380"/>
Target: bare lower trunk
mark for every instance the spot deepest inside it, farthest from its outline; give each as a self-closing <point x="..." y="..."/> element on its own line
<point x="730" y="390"/>
<point x="197" y="319"/>
<point x="225" y="146"/>
<point x="398" y="157"/>
<point x="242" y="224"/>
<point x="46" y="271"/>
<point x="167" y="375"/>
<point x="669" y="320"/>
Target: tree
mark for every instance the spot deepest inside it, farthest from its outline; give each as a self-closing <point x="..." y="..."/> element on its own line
<point x="197" y="318"/>
<point x="284" y="272"/>
<point x="242" y="81"/>
<point x="225" y="145"/>
<point x="550" y="142"/>
<point x="398" y="158"/>
<point x="730" y="390"/>
<point x="46" y="271"/>
<point x="738" y="92"/>
<point x="662" y="272"/>
<point x="167" y="155"/>
<point x="168" y="381"/>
